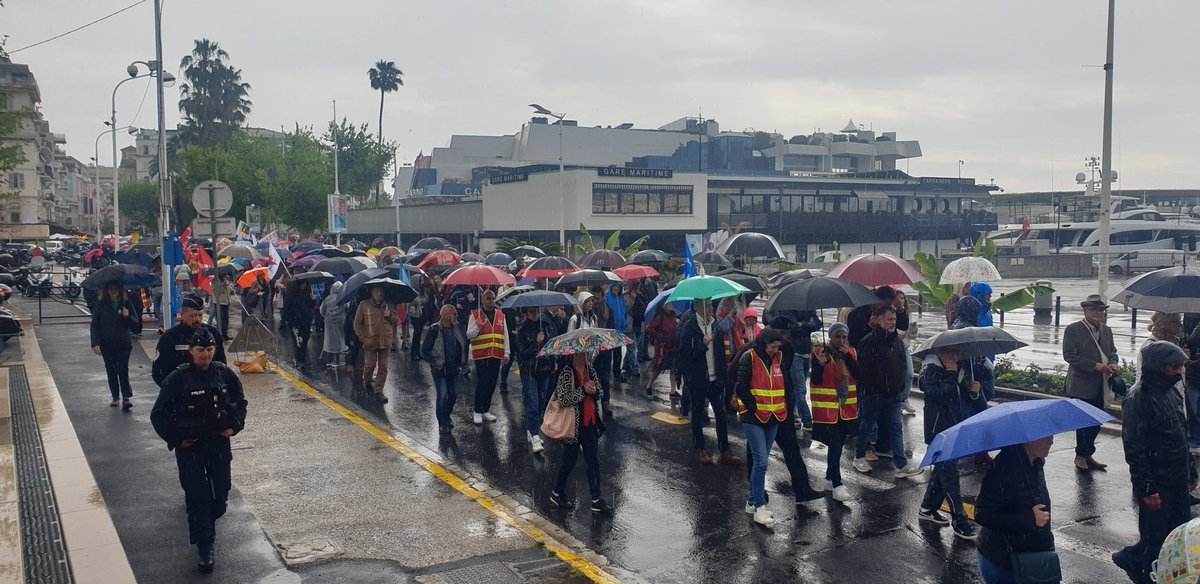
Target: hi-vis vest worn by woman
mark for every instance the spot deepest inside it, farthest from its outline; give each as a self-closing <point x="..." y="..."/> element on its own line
<point x="766" y="385"/>
<point x="825" y="407"/>
<point x="490" y="342"/>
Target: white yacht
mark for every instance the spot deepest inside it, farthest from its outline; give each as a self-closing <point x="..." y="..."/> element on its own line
<point x="1135" y="226"/>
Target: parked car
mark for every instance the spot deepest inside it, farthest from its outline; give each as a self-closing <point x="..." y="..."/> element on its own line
<point x="1146" y="260"/>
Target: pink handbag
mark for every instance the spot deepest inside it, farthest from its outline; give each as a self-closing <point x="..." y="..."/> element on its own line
<point x="558" y="423"/>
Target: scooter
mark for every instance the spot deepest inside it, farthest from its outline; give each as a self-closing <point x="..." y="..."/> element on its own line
<point x="9" y="325"/>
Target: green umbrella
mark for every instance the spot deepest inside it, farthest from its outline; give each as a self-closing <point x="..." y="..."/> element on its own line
<point x="706" y="288"/>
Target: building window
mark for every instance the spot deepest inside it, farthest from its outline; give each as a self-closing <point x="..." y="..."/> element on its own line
<point x="633" y="199"/>
<point x="16" y="180"/>
<point x="14" y="217"/>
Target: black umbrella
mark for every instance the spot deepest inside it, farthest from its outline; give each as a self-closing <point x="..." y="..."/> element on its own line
<point x="713" y="260"/>
<point x="649" y="256"/>
<point x="603" y="259"/>
<point x="818" y="293"/>
<point x="755" y="245"/>
<point x="330" y="252"/>
<point x="781" y="279"/>
<point x="537" y="299"/>
<point x="498" y="259"/>
<point x="127" y="275"/>
<point x="527" y="251"/>
<point x="339" y="266"/>
<point x="471" y="257"/>
<point x="588" y="279"/>
<point x="752" y="282"/>
<point x="513" y="292"/>
<point x="975" y="341"/>
<point x="431" y="243"/>
<point x="394" y="291"/>
<point x="226" y="269"/>
<point x="412" y="270"/>
<point x="350" y="288"/>
<point x="1168" y="290"/>
<point x="313" y="275"/>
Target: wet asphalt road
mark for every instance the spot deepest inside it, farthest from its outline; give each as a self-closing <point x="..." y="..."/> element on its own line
<point x="678" y="521"/>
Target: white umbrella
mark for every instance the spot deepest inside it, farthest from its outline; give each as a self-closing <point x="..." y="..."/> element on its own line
<point x="969" y="269"/>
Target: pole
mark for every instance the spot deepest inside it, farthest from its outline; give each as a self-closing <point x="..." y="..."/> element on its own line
<point x="116" y="181"/>
<point x="336" y="147"/>
<point x="164" y="185"/>
<point x="1106" y="156"/>
<point x="562" y="190"/>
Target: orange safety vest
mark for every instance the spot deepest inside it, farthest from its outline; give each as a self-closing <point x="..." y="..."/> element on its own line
<point x="766" y="385"/>
<point x="825" y="407"/>
<point x="490" y="342"/>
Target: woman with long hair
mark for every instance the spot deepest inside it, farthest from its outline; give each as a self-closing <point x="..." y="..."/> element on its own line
<point x="114" y="322"/>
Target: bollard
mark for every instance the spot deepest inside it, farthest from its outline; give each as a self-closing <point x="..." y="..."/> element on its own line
<point x="1133" y="319"/>
<point x="1057" y="310"/>
<point x="1001" y="312"/>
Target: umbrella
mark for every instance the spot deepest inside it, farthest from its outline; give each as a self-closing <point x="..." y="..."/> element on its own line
<point x="819" y="293"/>
<point x="248" y="279"/>
<point x="394" y="291"/>
<point x="550" y="267"/>
<point x="1012" y="423"/>
<point x="307" y="262"/>
<point x="538" y="299"/>
<point x="390" y="250"/>
<point x="89" y="256"/>
<point x="439" y="257"/>
<point x="975" y="341"/>
<point x="781" y="279"/>
<point x="431" y="243"/>
<point x="226" y="269"/>
<point x="705" y="288"/>
<point x="589" y="341"/>
<point x="969" y="269"/>
<point x="755" y="245"/>
<point x="480" y="275"/>
<point x="349" y="290"/>
<point x="329" y="252"/>
<point x="713" y="260"/>
<point x="752" y="282"/>
<point x="877" y="269"/>
<point x="367" y="262"/>
<point x="412" y="270"/>
<point x="527" y="251"/>
<point x="127" y="275"/>
<point x="239" y="250"/>
<point x="313" y="275"/>
<point x="222" y="243"/>
<point x="649" y="256"/>
<point x="472" y="257"/>
<point x="514" y="291"/>
<point x="338" y="266"/>
<point x="588" y="279"/>
<point x="652" y="306"/>
<point x="305" y="246"/>
<point x="133" y="257"/>
<point x="498" y="259"/>
<point x="634" y="272"/>
<point x="603" y="259"/>
<point x="1167" y="290"/>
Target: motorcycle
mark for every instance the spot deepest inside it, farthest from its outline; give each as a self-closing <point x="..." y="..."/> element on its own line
<point x="9" y="325"/>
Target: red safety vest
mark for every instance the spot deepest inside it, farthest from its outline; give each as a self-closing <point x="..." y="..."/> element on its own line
<point x="489" y="344"/>
<point x="766" y="385"/>
<point x="825" y="407"/>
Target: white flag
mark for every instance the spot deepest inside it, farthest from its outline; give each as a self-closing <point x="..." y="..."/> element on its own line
<point x="276" y="261"/>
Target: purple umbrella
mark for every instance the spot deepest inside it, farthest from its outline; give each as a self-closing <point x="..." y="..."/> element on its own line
<point x="307" y="262"/>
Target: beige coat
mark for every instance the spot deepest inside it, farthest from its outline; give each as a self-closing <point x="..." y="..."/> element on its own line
<point x="375" y="324"/>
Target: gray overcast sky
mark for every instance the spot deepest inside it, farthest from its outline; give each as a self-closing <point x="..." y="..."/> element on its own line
<point x="999" y="84"/>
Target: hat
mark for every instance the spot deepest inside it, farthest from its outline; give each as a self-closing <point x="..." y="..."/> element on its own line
<point x="1094" y="301"/>
<point x="193" y="301"/>
<point x="202" y="338"/>
<point x="838" y="327"/>
<point x="751" y="313"/>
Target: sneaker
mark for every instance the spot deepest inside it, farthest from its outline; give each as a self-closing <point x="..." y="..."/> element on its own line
<point x="806" y="429"/>
<point x="600" y="506"/>
<point x="763" y="516"/>
<point x="1124" y="562"/>
<point x="861" y="465"/>
<point x="702" y="457"/>
<point x="841" y="493"/>
<point x="206" y="559"/>
<point x="537" y="444"/>
<point x="881" y="454"/>
<point x="932" y="516"/>
<point x="827" y="485"/>
<point x="912" y="470"/>
<point x="560" y="502"/>
<point x="871" y="456"/>
<point x="114" y="403"/>
<point x="907" y="409"/>
<point x="809" y="495"/>
<point x="489" y="417"/>
<point x="964" y="530"/>
<point x="749" y="509"/>
<point x="477" y="419"/>
<point x="126" y="405"/>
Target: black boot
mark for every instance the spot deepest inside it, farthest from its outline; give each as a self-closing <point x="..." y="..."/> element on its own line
<point x="207" y="558"/>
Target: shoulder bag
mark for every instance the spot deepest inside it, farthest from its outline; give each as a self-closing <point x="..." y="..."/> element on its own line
<point x="558" y="423"/>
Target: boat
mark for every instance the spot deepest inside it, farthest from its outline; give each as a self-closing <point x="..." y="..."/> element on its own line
<point x="1134" y="226"/>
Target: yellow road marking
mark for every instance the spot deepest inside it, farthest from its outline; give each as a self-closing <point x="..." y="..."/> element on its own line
<point x="968" y="507"/>
<point x="669" y="418"/>
<point x="587" y="568"/>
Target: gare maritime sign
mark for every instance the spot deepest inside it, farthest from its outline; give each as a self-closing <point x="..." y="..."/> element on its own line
<point x="635" y="172"/>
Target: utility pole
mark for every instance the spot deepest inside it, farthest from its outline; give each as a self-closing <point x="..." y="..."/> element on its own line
<point x="1106" y="157"/>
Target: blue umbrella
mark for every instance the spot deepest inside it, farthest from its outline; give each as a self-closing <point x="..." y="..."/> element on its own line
<point x="1012" y="423"/>
<point x="1167" y="290"/>
<point x="538" y="299"/>
<point x="350" y="288"/>
<point x="498" y="259"/>
<point x="652" y="307"/>
<point x="131" y="256"/>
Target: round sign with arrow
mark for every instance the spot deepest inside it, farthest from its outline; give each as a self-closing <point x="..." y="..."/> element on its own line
<point x="212" y="198"/>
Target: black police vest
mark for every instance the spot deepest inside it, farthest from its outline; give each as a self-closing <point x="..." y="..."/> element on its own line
<point x="204" y="409"/>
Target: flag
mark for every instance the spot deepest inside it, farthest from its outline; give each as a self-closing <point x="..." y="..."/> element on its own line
<point x="184" y="237"/>
<point x="273" y="269"/>
<point x="689" y="266"/>
<point x="1024" y="231"/>
<point x="136" y="237"/>
<point x="271" y="238"/>
<point x="203" y="263"/>
<point x="243" y="231"/>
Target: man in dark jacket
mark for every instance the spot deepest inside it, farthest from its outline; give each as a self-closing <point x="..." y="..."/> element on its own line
<point x="445" y="349"/>
<point x="172" y="349"/>
<point x="861" y="319"/>
<point x="1154" y="433"/>
<point x="882" y="368"/>
<point x="705" y="370"/>
<point x="800" y="338"/>
<point x="1091" y="354"/>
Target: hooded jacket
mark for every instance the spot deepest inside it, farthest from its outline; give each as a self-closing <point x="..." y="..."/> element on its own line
<point x="968" y="312"/>
<point x="946" y="392"/>
<point x="615" y="298"/>
<point x="1154" y="430"/>
<point x="980" y="291"/>
<point x="1004" y="508"/>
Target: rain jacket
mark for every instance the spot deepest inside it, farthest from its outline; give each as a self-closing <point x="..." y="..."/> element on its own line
<point x="1153" y="428"/>
<point x="335" y="322"/>
<point x="1004" y="509"/>
<point x="615" y="298"/>
<point x="946" y="392"/>
<point x="375" y="324"/>
<point x="881" y="362"/>
<point x="112" y="331"/>
<point x="297" y="309"/>
<point x="980" y="291"/>
<point x="968" y="312"/>
<point x="527" y="348"/>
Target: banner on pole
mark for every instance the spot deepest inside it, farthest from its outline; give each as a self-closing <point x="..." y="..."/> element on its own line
<point x="337" y="214"/>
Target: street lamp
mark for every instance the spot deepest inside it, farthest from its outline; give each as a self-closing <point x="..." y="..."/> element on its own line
<point x="132" y="70"/>
<point x="96" y="159"/>
<point x="562" y="189"/>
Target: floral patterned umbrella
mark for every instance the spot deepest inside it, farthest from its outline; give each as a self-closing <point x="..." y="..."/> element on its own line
<point x="585" y="341"/>
<point x="969" y="270"/>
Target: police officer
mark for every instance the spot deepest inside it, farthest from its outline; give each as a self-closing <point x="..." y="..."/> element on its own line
<point x="172" y="347"/>
<point x="200" y="406"/>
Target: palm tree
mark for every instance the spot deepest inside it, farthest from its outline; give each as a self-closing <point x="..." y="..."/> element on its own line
<point x="386" y="78"/>
<point x="213" y="97"/>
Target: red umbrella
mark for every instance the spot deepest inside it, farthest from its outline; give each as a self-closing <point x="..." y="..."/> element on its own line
<point x="877" y="269"/>
<point x="480" y="276"/>
<point x="549" y="267"/>
<point x="635" y="271"/>
<point x="439" y="257"/>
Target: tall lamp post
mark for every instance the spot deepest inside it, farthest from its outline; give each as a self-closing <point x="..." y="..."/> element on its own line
<point x="164" y="182"/>
<point x="132" y="69"/>
<point x="96" y="160"/>
<point x="1106" y="157"/>
<point x="562" y="188"/>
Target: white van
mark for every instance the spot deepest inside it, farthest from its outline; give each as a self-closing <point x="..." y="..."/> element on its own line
<point x="1146" y="260"/>
<point x="52" y="245"/>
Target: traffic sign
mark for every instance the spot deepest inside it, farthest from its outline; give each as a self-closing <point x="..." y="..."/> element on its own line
<point x="212" y="198"/>
<point x="207" y="228"/>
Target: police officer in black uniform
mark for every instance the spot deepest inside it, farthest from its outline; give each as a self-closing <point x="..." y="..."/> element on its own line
<point x="172" y="347"/>
<point x="200" y="406"/>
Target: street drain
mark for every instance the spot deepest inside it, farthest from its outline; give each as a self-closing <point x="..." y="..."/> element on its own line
<point x="489" y="573"/>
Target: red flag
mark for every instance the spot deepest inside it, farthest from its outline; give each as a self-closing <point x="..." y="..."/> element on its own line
<point x="1024" y="231"/>
<point x="185" y="236"/>
<point x="203" y="263"/>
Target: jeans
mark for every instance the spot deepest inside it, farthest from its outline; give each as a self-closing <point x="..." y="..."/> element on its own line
<point x="486" y="372"/>
<point x="943" y="486"/>
<point x="447" y="395"/>
<point x="759" y="440"/>
<point x="630" y="362"/>
<point x="116" y="365"/>
<point x="589" y="437"/>
<point x="418" y="325"/>
<point x="701" y="395"/>
<point x="1192" y="397"/>
<point x="837" y="435"/>
<point x="908" y="375"/>
<point x="991" y="573"/>
<point x="1154" y="526"/>
<point x="790" y="446"/>
<point x="1085" y="438"/>
<point x="800" y="368"/>
<point x="884" y="412"/>
<point x="205" y="478"/>
<point x="372" y="359"/>
<point x="535" y="393"/>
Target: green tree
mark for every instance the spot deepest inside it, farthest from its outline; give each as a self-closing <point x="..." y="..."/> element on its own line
<point x="296" y="187"/>
<point x="236" y="164"/>
<point x="213" y="98"/>
<point x="362" y="160"/>
<point x="139" y="204"/>
<point x="385" y="78"/>
<point x="507" y="244"/>
<point x="760" y="141"/>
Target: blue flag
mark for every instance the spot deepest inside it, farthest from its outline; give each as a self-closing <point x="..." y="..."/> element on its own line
<point x="404" y="277"/>
<point x="689" y="266"/>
